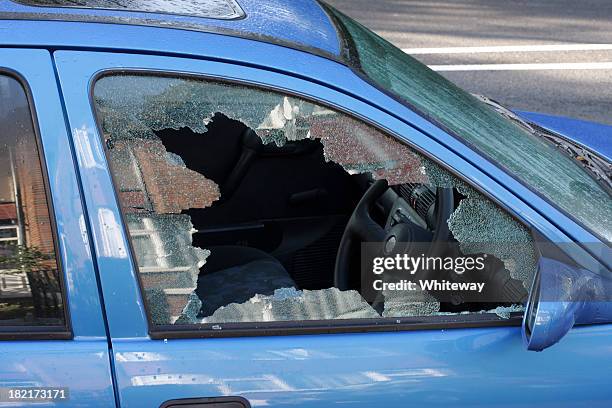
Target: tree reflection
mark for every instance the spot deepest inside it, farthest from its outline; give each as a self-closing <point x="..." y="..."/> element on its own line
<point x="30" y="284"/>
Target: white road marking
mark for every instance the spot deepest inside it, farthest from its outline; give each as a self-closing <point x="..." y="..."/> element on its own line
<point x="524" y="67"/>
<point x="509" y="48"/>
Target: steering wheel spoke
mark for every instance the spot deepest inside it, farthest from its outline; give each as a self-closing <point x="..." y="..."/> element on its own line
<point x="370" y="231"/>
<point x="362" y="228"/>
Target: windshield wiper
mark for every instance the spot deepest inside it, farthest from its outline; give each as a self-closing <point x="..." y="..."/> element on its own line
<point x="600" y="168"/>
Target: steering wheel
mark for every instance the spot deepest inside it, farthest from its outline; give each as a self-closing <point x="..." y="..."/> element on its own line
<point x="362" y="228"/>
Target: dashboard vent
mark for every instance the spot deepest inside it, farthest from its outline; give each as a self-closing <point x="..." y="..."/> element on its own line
<point x="420" y="197"/>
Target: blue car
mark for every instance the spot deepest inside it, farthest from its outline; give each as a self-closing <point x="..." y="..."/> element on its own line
<point x="261" y="203"/>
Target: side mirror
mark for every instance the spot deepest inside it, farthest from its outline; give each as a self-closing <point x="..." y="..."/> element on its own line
<point x="561" y="296"/>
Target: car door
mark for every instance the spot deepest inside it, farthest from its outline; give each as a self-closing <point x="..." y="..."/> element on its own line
<point x="475" y="358"/>
<point x="53" y="343"/>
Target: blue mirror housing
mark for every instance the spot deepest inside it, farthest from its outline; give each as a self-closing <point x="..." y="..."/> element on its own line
<point x="562" y="296"/>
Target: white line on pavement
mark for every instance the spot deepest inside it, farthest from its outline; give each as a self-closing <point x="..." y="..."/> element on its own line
<point x="524" y="67"/>
<point x="510" y="48"/>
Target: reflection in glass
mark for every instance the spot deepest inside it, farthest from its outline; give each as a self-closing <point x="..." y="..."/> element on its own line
<point x="30" y="292"/>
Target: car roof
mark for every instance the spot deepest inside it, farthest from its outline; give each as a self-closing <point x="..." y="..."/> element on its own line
<point x="301" y="24"/>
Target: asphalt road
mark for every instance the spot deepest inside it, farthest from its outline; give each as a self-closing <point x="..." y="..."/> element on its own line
<point x="551" y="56"/>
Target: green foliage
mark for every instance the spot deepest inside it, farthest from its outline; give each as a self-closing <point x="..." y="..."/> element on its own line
<point x="24" y="259"/>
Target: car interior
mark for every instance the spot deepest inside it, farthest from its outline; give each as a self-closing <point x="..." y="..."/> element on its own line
<point x="287" y="217"/>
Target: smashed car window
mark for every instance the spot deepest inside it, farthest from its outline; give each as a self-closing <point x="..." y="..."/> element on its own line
<point x="545" y="168"/>
<point x="247" y="205"/>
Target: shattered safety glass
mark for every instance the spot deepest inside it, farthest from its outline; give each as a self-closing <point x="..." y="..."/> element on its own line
<point x="158" y="187"/>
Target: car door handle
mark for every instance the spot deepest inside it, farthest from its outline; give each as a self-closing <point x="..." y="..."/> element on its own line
<point x="305" y="197"/>
<point x="214" y="402"/>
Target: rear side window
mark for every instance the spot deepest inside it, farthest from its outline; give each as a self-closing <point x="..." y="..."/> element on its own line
<point x="30" y="289"/>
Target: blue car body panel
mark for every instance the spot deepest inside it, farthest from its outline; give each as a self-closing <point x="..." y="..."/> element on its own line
<point x="296" y="23"/>
<point x="486" y="367"/>
<point x="83" y="363"/>
<point x="595" y="136"/>
<point x="468" y="367"/>
<point x="361" y="370"/>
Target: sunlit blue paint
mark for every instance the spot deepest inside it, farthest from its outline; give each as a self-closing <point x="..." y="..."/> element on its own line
<point x="299" y="22"/>
<point x="595" y="136"/>
<point x="441" y="368"/>
<point x="122" y="298"/>
<point x="84" y="305"/>
<point x="81" y="364"/>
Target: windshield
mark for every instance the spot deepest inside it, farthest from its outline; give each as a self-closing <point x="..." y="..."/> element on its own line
<point x="530" y="159"/>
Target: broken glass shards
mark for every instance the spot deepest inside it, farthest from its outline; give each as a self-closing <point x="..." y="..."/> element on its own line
<point x="502" y="311"/>
<point x="168" y="263"/>
<point x="360" y="148"/>
<point x="289" y="304"/>
<point x="409" y="303"/>
<point x="134" y="106"/>
<point x="190" y="311"/>
<point x="480" y="226"/>
<point x="356" y="146"/>
<point x="171" y="186"/>
<point x="286" y="122"/>
<point x="152" y="179"/>
<point x="155" y="186"/>
<point x="171" y="103"/>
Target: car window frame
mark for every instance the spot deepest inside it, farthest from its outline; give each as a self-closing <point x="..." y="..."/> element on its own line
<point x="32" y="332"/>
<point x="296" y="327"/>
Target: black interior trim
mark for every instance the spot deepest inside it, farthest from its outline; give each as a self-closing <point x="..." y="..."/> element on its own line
<point x="261" y="329"/>
<point x="34" y="333"/>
